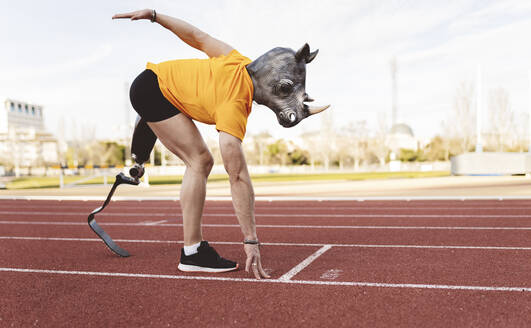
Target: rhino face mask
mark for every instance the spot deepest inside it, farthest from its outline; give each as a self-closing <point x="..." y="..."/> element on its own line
<point x="279" y="78"/>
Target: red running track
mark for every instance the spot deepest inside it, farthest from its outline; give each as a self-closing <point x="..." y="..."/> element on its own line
<point x="375" y="263"/>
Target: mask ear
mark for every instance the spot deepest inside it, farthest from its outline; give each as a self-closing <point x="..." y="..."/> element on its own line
<point x="303" y="53"/>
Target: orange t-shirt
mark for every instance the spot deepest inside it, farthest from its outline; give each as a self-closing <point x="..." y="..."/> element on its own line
<point x="217" y="90"/>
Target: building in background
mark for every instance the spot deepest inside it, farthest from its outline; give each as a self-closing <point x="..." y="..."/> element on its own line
<point x="24" y="141"/>
<point x="401" y="137"/>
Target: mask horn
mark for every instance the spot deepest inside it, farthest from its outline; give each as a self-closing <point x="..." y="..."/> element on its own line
<point x="316" y="109"/>
<point x="311" y="56"/>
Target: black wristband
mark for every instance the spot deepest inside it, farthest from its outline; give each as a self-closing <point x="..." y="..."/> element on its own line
<point x="153" y="16"/>
<point x="251" y="242"/>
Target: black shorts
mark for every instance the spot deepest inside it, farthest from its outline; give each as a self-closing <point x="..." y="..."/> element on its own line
<point x="147" y="99"/>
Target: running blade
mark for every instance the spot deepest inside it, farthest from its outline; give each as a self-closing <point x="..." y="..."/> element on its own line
<point x="107" y="239"/>
<point x="120" y="178"/>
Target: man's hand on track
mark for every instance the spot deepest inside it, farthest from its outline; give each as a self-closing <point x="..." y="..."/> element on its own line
<point x="253" y="261"/>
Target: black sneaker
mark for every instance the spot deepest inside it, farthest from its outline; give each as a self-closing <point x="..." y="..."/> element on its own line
<point x="205" y="260"/>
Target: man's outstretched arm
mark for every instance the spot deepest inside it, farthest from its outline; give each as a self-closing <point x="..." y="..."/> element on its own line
<point x="190" y="34"/>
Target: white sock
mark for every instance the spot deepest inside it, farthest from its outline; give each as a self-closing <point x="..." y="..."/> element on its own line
<point x="192" y="249"/>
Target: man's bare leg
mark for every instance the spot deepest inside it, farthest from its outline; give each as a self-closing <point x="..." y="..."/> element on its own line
<point x="180" y="135"/>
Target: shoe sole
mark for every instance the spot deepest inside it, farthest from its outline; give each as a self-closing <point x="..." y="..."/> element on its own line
<point x="195" y="268"/>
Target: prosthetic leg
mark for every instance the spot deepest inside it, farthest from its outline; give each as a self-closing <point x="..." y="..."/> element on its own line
<point x="141" y="146"/>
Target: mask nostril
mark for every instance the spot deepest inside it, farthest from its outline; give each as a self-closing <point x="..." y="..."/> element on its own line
<point x="292" y="117"/>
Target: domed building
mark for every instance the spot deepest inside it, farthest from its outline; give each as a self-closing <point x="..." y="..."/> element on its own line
<point x="402" y="128"/>
<point x="401" y="137"/>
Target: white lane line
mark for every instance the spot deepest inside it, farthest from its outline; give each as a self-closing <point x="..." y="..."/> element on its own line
<point x="232" y="215"/>
<point x="381" y="227"/>
<point x="258" y="207"/>
<point x="326" y="215"/>
<point x="154" y="222"/>
<point x="40" y="213"/>
<point x="298" y="282"/>
<point x="277" y="226"/>
<point x="154" y="241"/>
<point x="299" y="267"/>
<point x="272" y="198"/>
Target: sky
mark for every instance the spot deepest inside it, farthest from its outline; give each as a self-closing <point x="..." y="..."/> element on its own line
<point x="70" y="57"/>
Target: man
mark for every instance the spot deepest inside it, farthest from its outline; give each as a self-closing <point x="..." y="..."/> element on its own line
<point x="219" y="91"/>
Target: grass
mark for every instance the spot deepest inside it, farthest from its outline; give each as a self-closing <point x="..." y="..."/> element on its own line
<point x="49" y="182"/>
<point x="347" y="176"/>
<point x="53" y="182"/>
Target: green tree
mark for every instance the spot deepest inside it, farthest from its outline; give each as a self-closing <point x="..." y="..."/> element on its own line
<point x="277" y="152"/>
<point x="113" y="153"/>
<point x="460" y="126"/>
<point x="299" y="157"/>
<point x="408" y="155"/>
<point x="437" y="149"/>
